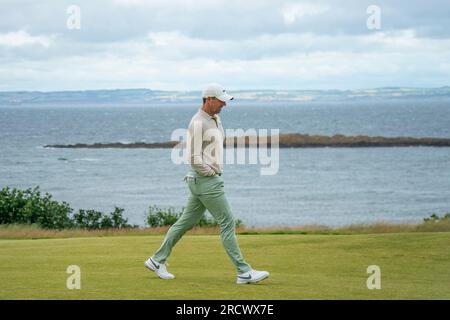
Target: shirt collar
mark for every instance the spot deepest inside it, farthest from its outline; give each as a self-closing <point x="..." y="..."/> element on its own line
<point x="205" y="114"/>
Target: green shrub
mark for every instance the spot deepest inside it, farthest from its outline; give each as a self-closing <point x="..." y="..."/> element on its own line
<point x="91" y="219"/>
<point x="87" y="219"/>
<point x="157" y="217"/>
<point x="117" y="220"/>
<point x="435" y="218"/>
<point x="30" y="207"/>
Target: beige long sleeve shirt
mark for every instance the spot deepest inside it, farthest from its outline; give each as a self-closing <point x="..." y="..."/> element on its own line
<point x="205" y="144"/>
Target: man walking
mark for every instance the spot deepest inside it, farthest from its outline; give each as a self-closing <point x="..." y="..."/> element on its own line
<point x="205" y="150"/>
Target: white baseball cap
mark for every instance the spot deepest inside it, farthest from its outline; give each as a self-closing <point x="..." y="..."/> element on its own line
<point x="217" y="91"/>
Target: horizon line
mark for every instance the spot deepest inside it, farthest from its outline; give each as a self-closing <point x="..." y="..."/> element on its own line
<point x="234" y="90"/>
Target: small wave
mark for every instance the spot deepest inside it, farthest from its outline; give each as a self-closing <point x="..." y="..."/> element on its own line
<point x="87" y="159"/>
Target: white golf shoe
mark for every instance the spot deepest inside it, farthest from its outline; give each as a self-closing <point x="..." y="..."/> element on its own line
<point x="159" y="268"/>
<point x="252" y="276"/>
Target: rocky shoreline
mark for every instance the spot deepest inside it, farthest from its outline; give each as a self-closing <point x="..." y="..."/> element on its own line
<point x="290" y="140"/>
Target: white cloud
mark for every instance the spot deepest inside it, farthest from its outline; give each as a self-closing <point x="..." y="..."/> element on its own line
<point x="172" y="3"/>
<point x="182" y="44"/>
<point x="149" y="68"/>
<point x="405" y="39"/>
<point x="294" y="11"/>
<point x="22" y="38"/>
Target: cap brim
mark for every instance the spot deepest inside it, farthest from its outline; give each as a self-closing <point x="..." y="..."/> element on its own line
<point x="225" y="97"/>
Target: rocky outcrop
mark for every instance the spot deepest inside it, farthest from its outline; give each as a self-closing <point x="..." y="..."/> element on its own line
<point x="290" y="140"/>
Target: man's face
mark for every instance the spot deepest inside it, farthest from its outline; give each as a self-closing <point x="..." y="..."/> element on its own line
<point x="216" y="105"/>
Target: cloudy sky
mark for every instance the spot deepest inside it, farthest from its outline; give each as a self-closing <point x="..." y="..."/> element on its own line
<point x="251" y="44"/>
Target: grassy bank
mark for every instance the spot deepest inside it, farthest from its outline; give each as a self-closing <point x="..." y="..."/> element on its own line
<point x="413" y="266"/>
<point x="17" y="231"/>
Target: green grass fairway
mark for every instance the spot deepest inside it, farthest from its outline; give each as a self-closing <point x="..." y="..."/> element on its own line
<point x="413" y="266"/>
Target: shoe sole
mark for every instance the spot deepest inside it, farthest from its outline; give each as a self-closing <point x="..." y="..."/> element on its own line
<point x="242" y="281"/>
<point x="150" y="267"/>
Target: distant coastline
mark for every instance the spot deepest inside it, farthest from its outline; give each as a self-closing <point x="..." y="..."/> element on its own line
<point x="145" y="96"/>
<point x="290" y="140"/>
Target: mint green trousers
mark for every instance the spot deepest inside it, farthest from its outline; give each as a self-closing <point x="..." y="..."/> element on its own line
<point x="206" y="193"/>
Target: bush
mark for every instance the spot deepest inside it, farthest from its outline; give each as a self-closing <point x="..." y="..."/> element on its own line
<point x="91" y="219"/>
<point x="158" y="217"/>
<point x="117" y="220"/>
<point x="30" y="207"/>
<point x="434" y="218"/>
